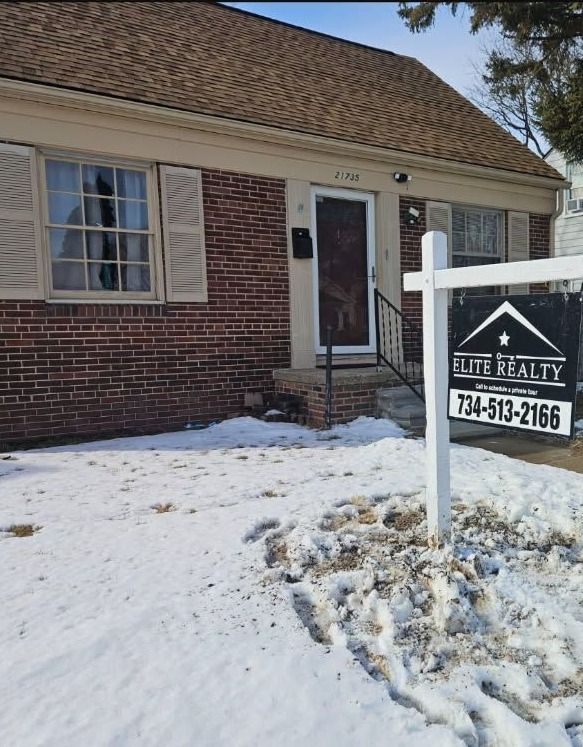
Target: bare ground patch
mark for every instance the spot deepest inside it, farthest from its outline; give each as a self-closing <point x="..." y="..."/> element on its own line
<point x="22" y="530"/>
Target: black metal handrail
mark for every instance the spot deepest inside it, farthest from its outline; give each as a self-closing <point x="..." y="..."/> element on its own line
<point x="399" y="344"/>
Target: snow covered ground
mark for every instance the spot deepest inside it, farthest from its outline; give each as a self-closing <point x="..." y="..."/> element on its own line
<point x="264" y="584"/>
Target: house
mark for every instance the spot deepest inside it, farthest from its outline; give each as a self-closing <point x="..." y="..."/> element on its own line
<point x="156" y="163"/>
<point x="568" y="224"/>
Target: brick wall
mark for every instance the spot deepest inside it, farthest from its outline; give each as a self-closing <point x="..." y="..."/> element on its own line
<point x="349" y="400"/>
<point x="411" y="255"/>
<point x="90" y="369"/>
<point x="539" y="247"/>
<point x="539" y="233"/>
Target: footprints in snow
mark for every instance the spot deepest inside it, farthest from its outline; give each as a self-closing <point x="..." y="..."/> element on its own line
<point x="364" y="578"/>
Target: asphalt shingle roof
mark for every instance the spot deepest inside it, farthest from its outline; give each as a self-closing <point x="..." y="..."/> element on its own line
<point x="210" y="59"/>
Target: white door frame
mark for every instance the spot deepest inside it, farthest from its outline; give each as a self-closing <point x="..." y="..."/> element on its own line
<point x="353" y="195"/>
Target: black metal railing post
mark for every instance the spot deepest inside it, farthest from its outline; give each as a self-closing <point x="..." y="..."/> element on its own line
<point x="376" y="326"/>
<point x="328" y="405"/>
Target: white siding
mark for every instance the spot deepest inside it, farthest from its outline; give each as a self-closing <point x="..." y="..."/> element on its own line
<point x="568" y="228"/>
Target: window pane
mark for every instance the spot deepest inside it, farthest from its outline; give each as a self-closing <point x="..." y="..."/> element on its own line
<point x="101" y="246"/>
<point x="132" y="214"/>
<point x="474" y="232"/>
<point x="68" y="275"/>
<point x="133" y="247"/>
<point x="99" y="211"/>
<point x="491" y="234"/>
<point x="63" y="176"/>
<point x="135" y="277"/>
<point x="65" y="209"/>
<point x="575" y="176"/>
<point x="458" y="226"/>
<point x="97" y="180"/>
<point x="461" y="261"/>
<point x="458" y="242"/>
<point x="103" y="276"/>
<point x="131" y="184"/>
<point x="66" y="243"/>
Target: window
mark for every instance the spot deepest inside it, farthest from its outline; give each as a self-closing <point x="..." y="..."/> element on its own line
<point x="98" y="229"/>
<point x="575" y="193"/>
<point x="477" y="239"/>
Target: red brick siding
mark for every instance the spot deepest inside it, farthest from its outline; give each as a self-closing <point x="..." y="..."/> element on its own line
<point x="349" y="400"/>
<point x="90" y="369"/>
<point x="411" y="255"/>
<point x="539" y="234"/>
<point x="539" y="248"/>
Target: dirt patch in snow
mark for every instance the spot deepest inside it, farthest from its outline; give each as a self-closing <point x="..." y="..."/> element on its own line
<point x="469" y="635"/>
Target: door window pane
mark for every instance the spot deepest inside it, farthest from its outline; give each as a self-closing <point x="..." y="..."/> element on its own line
<point x="342" y="270"/>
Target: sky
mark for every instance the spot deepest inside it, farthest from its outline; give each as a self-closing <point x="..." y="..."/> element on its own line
<point x="448" y="48"/>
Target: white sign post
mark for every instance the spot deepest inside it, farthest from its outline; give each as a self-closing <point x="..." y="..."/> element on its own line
<point x="435" y="371"/>
<point x="434" y="281"/>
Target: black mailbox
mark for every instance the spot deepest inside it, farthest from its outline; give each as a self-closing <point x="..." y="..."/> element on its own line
<point x="302" y="243"/>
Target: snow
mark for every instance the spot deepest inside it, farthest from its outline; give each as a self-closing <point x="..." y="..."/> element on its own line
<point x="261" y="583"/>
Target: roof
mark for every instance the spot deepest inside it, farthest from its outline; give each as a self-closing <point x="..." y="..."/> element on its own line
<point x="211" y="59"/>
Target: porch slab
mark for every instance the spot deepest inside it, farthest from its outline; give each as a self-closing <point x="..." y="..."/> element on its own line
<point x="353" y="391"/>
<point x="339" y="375"/>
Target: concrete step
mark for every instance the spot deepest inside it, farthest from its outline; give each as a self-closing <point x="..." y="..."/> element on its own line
<point x="410" y="415"/>
<point x="396" y="394"/>
<point x="402" y="406"/>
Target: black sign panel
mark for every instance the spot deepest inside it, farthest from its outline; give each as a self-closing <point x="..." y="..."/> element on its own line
<point x="513" y="362"/>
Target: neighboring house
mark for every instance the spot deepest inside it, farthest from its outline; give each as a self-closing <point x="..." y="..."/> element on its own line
<point x="155" y="159"/>
<point x="568" y="233"/>
<point x="568" y="224"/>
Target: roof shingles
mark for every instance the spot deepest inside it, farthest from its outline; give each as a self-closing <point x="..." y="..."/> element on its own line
<point x="209" y="59"/>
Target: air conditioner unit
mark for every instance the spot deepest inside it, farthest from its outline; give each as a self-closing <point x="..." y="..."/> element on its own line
<point x="575" y="206"/>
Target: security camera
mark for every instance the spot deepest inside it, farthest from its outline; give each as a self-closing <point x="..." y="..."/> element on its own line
<point x="412" y="217"/>
<point x="401" y="178"/>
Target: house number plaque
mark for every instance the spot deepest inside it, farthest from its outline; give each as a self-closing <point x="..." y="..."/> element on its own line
<point x="347" y="176"/>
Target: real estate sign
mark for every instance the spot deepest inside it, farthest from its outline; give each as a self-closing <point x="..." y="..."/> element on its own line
<point x="513" y="362"/>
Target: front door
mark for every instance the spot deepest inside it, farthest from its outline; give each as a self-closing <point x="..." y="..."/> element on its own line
<point x="342" y="228"/>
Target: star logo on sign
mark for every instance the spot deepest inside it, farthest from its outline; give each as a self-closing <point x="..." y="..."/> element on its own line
<point x="504" y="339"/>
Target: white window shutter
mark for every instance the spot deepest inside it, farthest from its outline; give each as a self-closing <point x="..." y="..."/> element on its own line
<point x="518" y="245"/>
<point x="438" y="218"/>
<point x="183" y="230"/>
<point x="21" y="266"/>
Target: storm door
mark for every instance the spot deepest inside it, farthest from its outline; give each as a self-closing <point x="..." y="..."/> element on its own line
<point x="342" y="227"/>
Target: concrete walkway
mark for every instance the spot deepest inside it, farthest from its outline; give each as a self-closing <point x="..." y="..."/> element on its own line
<point x="534" y="449"/>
